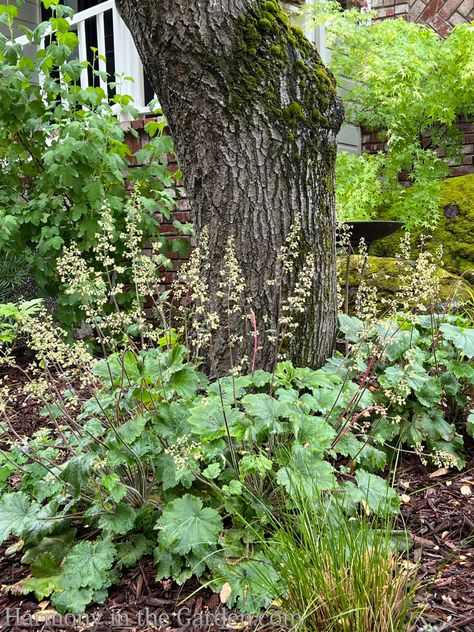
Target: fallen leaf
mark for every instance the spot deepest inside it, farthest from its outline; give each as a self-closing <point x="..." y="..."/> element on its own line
<point x="43" y="616"/>
<point x="442" y="471"/>
<point x="225" y="593"/>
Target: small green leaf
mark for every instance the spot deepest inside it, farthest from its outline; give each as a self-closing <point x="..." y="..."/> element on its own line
<point x="17" y="515"/>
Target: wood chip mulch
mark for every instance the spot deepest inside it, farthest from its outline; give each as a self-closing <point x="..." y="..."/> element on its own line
<point x="439" y="513"/>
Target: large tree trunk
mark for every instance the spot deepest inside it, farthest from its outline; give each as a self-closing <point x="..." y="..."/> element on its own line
<point x="254" y="115"/>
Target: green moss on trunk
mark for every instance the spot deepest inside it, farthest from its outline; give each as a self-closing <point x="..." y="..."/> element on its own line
<point x="274" y="66"/>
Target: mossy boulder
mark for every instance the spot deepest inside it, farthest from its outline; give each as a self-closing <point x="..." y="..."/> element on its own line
<point x="384" y="274"/>
<point x="454" y="231"/>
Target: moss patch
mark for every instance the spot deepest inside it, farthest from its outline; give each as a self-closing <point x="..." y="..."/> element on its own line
<point x="273" y="65"/>
<point x="454" y="231"/>
<point x="384" y="274"/>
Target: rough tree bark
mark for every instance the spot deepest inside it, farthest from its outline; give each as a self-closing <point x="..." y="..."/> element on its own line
<point x="254" y="116"/>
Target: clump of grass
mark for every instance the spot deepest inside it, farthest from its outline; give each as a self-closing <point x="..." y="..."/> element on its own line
<point x="339" y="573"/>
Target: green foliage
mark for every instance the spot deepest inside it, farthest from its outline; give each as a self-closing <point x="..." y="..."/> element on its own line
<point x="64" y="157"/>
<point x="160" y="460"/>
<point x="421" y="376"/>
<point x="185" y="527"/>
<point x="411" y="87"/>
<point x="157" y="459"/>
<point x="15" y="281"/>
<point x="11" y="315"/>
<point x="358" y="186"/>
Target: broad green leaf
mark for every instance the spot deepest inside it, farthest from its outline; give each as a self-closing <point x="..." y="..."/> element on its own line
<point x="132" y="429"/>
<point x="130" y="552"/>
<point x="186" y="525"/>
<point x="209" y="418"/>
<point x="376" y="493"/>
<point x="46" y="576"/>
<point x="74" y="600"/>
<point x="462" y="339"/>
<point x="17" y="515"/>
<point x="255" y="463"/>
<point x="351" y="327"/>
<point x="88" y="565"/>
<point x="120" y="521"/>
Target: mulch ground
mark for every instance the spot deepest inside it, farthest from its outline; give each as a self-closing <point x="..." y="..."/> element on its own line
<point x="440" y="517"/>
<point x="438" y="511"/>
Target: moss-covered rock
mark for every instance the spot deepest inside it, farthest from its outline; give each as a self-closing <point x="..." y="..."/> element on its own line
<point x="454" y="231"/>
<point x="384" y="274"/>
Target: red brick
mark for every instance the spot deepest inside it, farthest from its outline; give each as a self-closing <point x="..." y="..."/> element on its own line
<point x="456" y="18"/>
<point x="431" y="9"/>
<point x="168" y="229"/>
<point x="440" y="26"/>
<point x="181" y="217"/>
<point x="416" y="8"/>
<point x="184" y="205"/>
<point x="463" y="170"/>
<point x="171" y="255"/>
<point x="138" y="124"/>
<point x="168" y="278"/>
<point x="466" y="8"/>
<point x="449" y="8"/>
<point x="401" y="9"/>
<point x="386" y="12"/>
<point x="173" y="167"/>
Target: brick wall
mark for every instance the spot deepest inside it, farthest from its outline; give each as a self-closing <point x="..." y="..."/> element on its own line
<point x="440" y="15"/>
<point x="182" y="210"/>
<point x="372" y="144"/>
